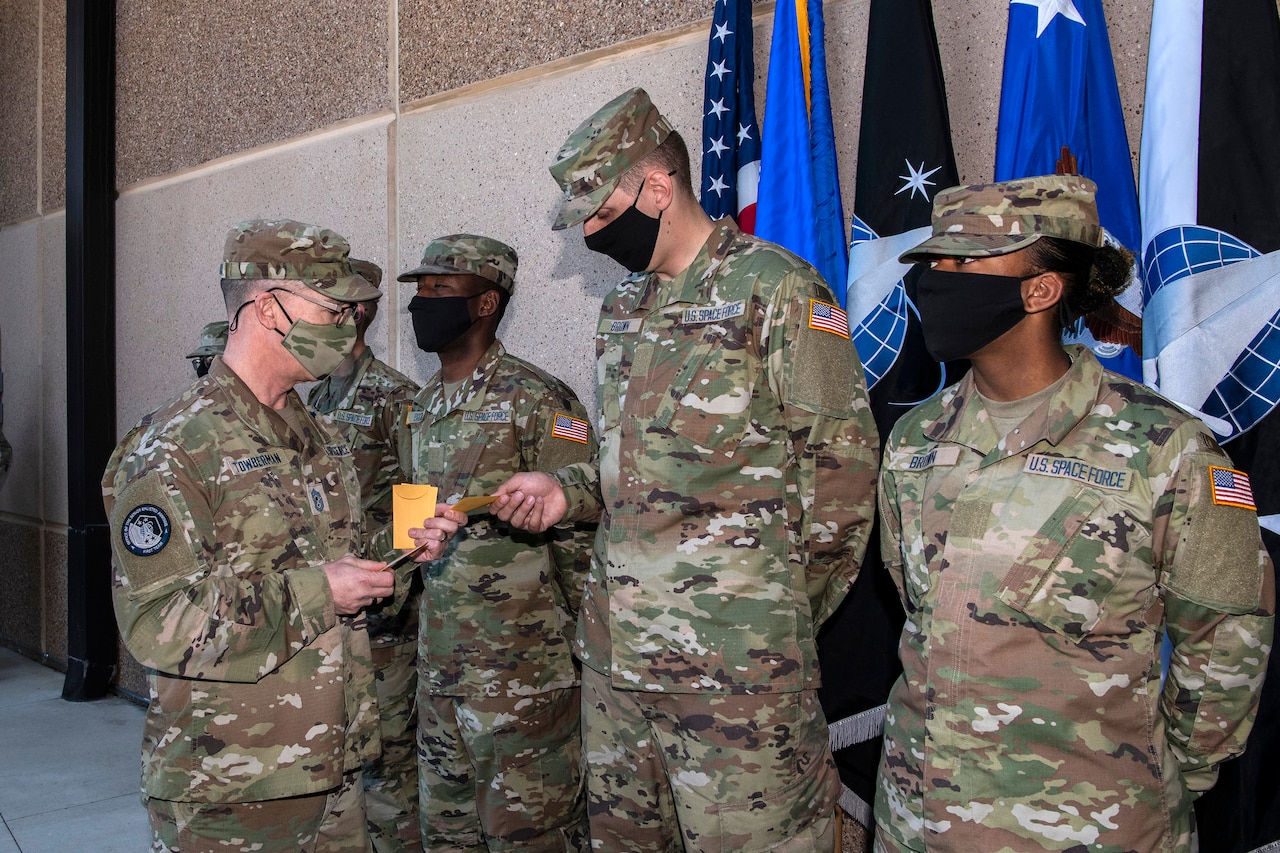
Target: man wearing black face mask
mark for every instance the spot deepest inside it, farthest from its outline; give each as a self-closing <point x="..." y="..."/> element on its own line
<point x="498" y="696"/>
<point x="734" y="488"/>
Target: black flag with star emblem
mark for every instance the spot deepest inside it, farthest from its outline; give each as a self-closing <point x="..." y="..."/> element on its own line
<point x="905" y="157"/>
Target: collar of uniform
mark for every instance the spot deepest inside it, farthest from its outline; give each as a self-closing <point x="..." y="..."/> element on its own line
<point x="470" y="396"/>
<point x="693" y="284"/>
<point x="261" y="419"/>
<point x="339" y="392"/>
<point x="959" y="423"/>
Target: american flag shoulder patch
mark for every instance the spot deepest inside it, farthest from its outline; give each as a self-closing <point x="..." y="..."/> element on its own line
<point x="1231" y="488"/>
<point x="567" y="426"/>
<point x="828" y="318"/>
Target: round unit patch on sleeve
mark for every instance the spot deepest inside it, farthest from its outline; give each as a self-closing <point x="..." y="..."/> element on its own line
<point x="145" y="530"/>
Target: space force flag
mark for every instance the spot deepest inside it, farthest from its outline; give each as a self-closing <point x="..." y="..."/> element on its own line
<point x="730" y="134"/>
<point x="1211" y="231"/>
<point x="1059" y="89"/>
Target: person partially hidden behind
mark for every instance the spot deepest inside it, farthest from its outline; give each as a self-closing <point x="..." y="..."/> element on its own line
<point x="1046" y="523"/>
<point x="213" y="342"/>
<point x="362" y="399"/>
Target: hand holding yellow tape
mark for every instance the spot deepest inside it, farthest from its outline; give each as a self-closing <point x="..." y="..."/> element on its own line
<point x="410" y="505"/>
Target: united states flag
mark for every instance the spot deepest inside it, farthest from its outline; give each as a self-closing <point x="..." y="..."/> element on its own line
<point x="828" y="318"/>
<point x="570" y="428"/>
<point x="730" y="134"/>
<point x="1231" y="488"/>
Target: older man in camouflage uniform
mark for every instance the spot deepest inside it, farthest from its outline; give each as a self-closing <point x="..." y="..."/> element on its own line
<point x="1043" y="546"/>
<point x="362" y="399"/>
<point x="498" y="698"/>
<point x="236" y="519"/>
<point x="734" y="489"/>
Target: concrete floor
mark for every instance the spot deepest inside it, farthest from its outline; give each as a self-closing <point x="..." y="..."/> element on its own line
<point x="68" y="770"/>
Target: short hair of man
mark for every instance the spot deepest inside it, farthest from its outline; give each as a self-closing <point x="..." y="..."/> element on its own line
<point x="671" y="155"/>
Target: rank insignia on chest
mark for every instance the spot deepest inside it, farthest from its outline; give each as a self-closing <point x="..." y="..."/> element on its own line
<point x="319" y="504"/>
<point x="1232" y="488"/>
<point x="487" y="416"/>
<point x="571" y="428"/>
<point x="828" y="318"/>
<point x="345" y="416"/>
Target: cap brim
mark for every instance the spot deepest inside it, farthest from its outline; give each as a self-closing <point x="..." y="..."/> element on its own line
<point x="959" y="245"/>
<point x="430" y="269"/>
<point x="203" y="351"/>
<point x="579" y="208"/>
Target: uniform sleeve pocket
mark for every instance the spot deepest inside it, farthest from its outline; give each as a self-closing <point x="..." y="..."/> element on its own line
<point x="1063" y="577"/>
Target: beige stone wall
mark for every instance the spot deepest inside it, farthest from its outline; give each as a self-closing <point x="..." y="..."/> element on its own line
<point x="390" y="122"/>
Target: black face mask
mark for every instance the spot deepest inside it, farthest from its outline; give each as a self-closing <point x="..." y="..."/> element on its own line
<point x="630" y="238"/>
<point x="439" y="321"/>
<point x="962" y="312"/>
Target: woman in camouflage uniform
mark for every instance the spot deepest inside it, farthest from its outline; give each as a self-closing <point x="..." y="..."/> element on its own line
<point x="1046" y="523"/>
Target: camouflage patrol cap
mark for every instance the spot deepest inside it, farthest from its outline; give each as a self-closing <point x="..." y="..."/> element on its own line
<point x="995" y="219"/>
<point x="472" y="254"/>
<point x="367" y="270"/>
<point x="213" y="340"/>
<point x="596" y="155"/>
<point x="287" y="250"/>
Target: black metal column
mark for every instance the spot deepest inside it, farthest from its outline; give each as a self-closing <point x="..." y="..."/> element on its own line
<point x="91" y="381"/>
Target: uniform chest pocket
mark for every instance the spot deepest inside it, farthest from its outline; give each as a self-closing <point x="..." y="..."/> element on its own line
<point x="708" y="399"/>
<point x="1065" y="577"/>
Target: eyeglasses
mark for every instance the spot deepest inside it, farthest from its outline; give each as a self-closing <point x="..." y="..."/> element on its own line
<point x="201" y="364"/>
<point x="341" y="313"/>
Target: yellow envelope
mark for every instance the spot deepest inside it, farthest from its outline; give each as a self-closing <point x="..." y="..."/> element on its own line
<point x="468" y="504"/>
<point x="410" y="504"/>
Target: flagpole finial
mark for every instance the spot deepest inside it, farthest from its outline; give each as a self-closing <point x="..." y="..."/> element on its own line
<point x="1067" y="163"/>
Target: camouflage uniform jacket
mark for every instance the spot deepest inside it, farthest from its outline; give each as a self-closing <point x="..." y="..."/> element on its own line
<point x="221" y="515"/>
<point x="736" y="474"/>
<point x="1039" y="573"/>
<point x="498" y="608"/>
<point x="364" y="405"/>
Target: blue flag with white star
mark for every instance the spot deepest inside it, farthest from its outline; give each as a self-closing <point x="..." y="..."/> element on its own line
<point x="730" y="134"/>
<point x="1059" y="88"/>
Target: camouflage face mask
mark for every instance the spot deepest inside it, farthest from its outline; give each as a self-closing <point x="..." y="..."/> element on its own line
<point x="319" y="348"/>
